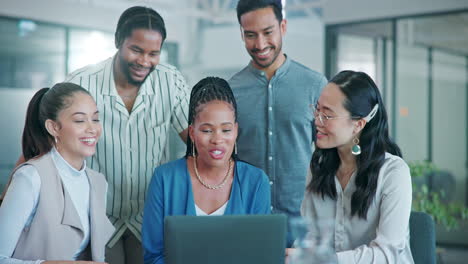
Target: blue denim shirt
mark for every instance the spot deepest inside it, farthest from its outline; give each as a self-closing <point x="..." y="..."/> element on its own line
<point x="275" y="127"/>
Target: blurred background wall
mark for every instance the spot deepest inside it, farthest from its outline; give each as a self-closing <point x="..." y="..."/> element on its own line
<point x="416" y="51"/>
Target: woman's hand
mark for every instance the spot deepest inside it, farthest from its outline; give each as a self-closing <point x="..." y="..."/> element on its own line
<point x="289" y="253"/>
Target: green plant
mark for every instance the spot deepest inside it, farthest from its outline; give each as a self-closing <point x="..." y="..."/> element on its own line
<point x="424" y="200"/>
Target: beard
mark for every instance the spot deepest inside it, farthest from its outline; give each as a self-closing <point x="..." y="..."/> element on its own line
<point x="125" y="67"/>
<point x="263" y="63"/>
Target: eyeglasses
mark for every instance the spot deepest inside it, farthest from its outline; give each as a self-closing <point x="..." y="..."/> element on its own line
<point x="323" y="118"/>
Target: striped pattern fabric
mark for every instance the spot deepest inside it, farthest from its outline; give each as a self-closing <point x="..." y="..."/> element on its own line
<point x="133" y="144"/>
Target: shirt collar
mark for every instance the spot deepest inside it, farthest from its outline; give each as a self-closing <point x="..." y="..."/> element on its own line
<point x="64" y="167"/>
<point x="280" y="71"/>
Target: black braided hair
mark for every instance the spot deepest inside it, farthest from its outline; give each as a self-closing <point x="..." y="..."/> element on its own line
<point x="207" y="90"/>
<point x="138" y="17"/>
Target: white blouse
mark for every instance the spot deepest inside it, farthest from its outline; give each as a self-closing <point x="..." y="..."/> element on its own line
<point x="219" y="211"/>
<point x="19" y="206"/>
<point x="381" y="238"/>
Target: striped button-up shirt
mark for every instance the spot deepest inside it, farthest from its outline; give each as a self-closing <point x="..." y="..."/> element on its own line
<point x="133" y="144"/>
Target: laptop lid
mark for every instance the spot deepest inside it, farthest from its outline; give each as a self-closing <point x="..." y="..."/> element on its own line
<point x="246" y="239"/>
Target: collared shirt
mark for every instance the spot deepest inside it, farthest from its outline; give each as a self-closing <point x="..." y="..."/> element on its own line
<point x="20" y="204"/>
<point x="381" y="238"/>
<point x="275" y="127"/>
<point x="133" y="144"/>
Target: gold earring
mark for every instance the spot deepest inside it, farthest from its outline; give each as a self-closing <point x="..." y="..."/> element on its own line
<point x="193" y="150"/>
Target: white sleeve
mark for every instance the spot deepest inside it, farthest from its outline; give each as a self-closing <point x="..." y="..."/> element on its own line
<point x="17" y="210"/>
<point x="392" y="230"/>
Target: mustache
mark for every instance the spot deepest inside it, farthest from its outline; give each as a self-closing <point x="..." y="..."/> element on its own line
<point x="139" y="67"/>
<point x="261" y="50"/>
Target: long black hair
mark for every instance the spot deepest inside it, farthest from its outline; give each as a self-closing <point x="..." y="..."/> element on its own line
<point x="138" y="17"/>
<point x="45" y="104"/>
<point x="361" y="95"/>
<point x="207" y="90"/>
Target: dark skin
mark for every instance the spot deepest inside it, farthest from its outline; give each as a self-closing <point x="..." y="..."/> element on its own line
<point x="135" y="60"/>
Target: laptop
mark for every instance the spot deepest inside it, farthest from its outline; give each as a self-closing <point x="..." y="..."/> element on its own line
<point x="245" y="239"/>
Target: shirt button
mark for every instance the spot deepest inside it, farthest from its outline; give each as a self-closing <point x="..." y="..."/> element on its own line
<point x="269" y="86"/>
<point x="271" y="207"/>
<point x="271" y="182"/>
<point x="271" y="133"/>
<point x="270" y="108"/>
<point x="262" y="73"/>
<point x="270" y="158"/>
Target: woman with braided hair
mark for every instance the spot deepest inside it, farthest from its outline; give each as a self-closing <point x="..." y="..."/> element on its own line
<point x="210" y="179"/>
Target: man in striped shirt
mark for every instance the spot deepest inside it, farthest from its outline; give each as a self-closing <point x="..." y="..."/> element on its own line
<point x="138" y="103"/>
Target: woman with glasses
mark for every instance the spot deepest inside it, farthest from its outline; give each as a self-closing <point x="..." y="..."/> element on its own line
<point x="359" y="180"/>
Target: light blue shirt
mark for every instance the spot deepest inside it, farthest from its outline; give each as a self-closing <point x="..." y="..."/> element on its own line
<point x="19" y="206"/>
<point x="170" y="193"/>
<point x="275" y="127"/>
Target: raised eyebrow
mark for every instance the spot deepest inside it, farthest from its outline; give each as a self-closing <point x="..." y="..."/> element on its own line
<point x="248" y="32"/>
<point x="211" y="125"/>
<point x="268" y="28"/>
<point x="317" y="105"/>
<point x="206" y="124"/>
<point x="82" y="113"/>
<point x="328" y="108"/>
<point x="135" y="47"/>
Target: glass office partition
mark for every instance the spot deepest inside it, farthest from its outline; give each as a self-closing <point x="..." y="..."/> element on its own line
<point x="31" y="54"/>
<point x="421" y="64"/>
<point x="35" y="55"/>
<point x="412" y="102"/>
<point x="89" y="46"/>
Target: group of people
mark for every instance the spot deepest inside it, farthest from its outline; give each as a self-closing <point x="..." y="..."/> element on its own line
<point x="93" y="183"/>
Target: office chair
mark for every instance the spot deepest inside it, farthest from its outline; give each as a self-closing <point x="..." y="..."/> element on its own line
<point x="422" y="238"/>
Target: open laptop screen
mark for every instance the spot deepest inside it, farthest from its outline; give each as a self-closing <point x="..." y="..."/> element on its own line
<point x="246" y="239"/>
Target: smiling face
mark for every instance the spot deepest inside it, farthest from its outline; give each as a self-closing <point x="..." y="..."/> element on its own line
<point x="338" y="132"/>
<point x="77" y="128"/>
<point x="262" y="34"/>
<point x="214" y="133"/>
<point x="139" y="55"/>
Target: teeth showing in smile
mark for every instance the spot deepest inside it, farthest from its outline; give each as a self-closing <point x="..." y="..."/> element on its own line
<point x="217" y="152"/>
<point x="264" y="53"/>
<point x="89" y="140"/>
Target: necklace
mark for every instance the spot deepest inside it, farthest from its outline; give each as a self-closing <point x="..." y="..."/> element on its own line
<point x="209" y="186"/>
